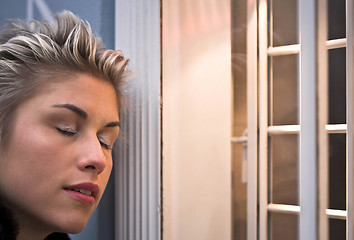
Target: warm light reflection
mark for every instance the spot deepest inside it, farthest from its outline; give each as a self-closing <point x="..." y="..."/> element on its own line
<point x="195" y="19"/>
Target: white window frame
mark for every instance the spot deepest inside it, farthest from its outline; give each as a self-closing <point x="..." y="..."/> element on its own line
<point x="252" y="119"/>
<point x="313" y="135"/>
<point x="350" y="117"/>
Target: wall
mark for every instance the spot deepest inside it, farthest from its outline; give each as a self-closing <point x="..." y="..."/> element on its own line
<point x="196" y="120"/>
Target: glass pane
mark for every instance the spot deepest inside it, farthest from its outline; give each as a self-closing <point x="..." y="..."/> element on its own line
<point x="336" y="19"/>
<point x="337" y="84"/>
<point x="283" y="226"/>
<point x="284" y="22"/>
<point x="284" y="169"/>
<point x="337" y="171"/>
<point x="239" y="66"/>
<point x="337" y="229"/>
<point x="284" y="95"/>
<point x="239" y="196"/>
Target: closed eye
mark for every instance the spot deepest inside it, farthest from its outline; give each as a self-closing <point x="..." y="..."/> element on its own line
<point x="66" y="132"/>
<point x="73" y="132"/>
<point x="104" y="141"/>
<point x="105" y="145"/>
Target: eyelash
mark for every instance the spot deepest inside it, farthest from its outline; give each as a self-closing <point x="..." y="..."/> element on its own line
<point x="66" y="132"/>
<point x="72" y="133"/>
<point x="105" y="145"/>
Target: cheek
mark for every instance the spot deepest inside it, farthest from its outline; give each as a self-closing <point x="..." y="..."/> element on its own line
<point x="30" y="154"/>
<point x="104" y="176"/>
<point x="35" y="146"/>
<point x="25" y="163"/>
<point x="107" y="171"/>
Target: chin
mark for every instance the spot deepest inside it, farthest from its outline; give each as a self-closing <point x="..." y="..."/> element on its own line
<point x="76" y="231"/>
<point x="73" y="228"/>
<point x="71" y="224"/>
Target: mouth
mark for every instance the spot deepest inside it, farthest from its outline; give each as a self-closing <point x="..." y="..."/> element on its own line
<point x="84" y="192"/>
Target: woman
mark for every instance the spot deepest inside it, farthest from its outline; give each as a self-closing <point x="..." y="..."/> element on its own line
<point x="60" y="94"/>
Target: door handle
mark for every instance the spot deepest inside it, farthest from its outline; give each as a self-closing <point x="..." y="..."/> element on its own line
<point x="242" y="140"/>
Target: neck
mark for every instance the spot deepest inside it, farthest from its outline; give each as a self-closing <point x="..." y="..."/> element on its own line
<point x="29" y="229"/>
<point x="18" y="226"/>
<point x="30" y="234"/>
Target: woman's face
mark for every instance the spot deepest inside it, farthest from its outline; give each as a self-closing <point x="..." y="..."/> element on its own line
<point x="56" y="161"/>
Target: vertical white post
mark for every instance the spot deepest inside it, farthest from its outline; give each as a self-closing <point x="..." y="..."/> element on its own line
<point x="263" y="120"/>
<point x="137" y="34"/>
<point x="252" y="119"/>
<point x="350" y="118"/>
<point x="323" y="146"/>
<point x="307" y="141"/>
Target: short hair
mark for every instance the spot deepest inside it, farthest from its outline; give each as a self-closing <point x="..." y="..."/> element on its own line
<point x="36" y="53"/>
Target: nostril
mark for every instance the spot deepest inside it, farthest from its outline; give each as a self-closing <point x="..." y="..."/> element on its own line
<point x="94" y="168"/>
<point x="90" y="167"/>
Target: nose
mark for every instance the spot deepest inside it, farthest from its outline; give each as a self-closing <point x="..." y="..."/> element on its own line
<point x="92" y="157"/>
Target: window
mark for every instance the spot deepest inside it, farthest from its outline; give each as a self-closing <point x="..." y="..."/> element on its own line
<point x="292" y="104"/>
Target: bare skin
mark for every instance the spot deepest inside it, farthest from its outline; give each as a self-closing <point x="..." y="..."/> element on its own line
<point x="59" y="139"/>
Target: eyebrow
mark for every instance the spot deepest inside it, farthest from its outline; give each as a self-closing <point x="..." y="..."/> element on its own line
<point x="112" y="124"/>
<point x="81" y="113"/>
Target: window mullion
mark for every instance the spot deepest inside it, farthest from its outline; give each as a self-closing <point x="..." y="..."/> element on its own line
<point x="307" y="140"/>
<point x="323" y="142"/>
<point x="350" y="117"/>
<point x="252" y="120"/>
<point x="263" y="121"/>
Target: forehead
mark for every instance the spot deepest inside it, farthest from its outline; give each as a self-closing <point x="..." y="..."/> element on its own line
<point x="85" y="91"/>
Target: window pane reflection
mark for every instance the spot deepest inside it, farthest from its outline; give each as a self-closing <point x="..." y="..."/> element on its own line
<point x="336" y="19"/>
<point x="337" y="229"/>
<point x="337" y="84"/>
<point x="239" y="74"/>
<point x="284" y="169"/>
<point x="283" y="226"/>
<point x="337" y="172"/>
<point x="284" y="90"/>
<point x="284" y="22"/>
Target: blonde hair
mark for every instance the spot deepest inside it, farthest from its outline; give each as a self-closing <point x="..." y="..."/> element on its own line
<point x="37" y="53"/>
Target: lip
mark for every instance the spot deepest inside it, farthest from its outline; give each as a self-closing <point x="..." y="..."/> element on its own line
<point x="88" y="186"/>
